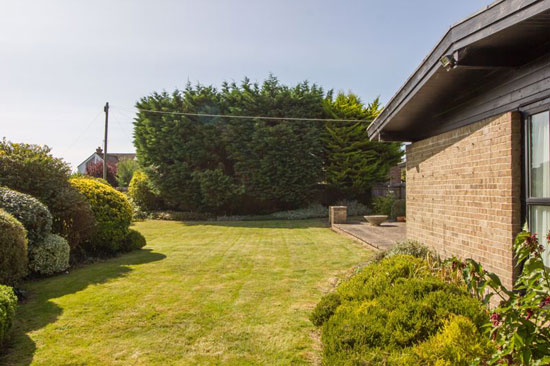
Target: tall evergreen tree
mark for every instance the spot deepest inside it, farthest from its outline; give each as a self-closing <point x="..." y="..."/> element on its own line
<point x="353" y="163"/>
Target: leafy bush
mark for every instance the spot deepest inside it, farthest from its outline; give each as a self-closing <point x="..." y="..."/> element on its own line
<point x="408" y="247"/>
<point x="125" y="171"/>
<point x="95" y="169"/>
<point x="313" y="211"/>
<point x="325" y="309"/>
<point x="34" y="215"/>
<point x="8" y="304"/>
<point x="13" y="250"/>
<point x="398" y="208"/>
<point x="134" y="240"/>
<point x="389" y="308"/>
<point x="75" y="221"/>
<point x="51" y="256"/>
<point x="355" y="208"/>
<point x="458" y="344"/>
<point x="382" y="205"/>
<point x="519" y="325"/>
<point x="112" y="211"/>
<point x="141" y="192"/>
<point x="31" y="169"/>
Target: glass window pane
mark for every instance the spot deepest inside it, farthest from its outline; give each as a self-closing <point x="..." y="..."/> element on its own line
<point x="540" y="224"/>
<point x="540" y="155"/>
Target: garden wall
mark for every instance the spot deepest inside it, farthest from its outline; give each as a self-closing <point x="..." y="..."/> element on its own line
<point x="464" y="192"/>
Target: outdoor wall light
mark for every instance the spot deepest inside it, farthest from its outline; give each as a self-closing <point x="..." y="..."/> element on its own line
<point x="448" y="62"/>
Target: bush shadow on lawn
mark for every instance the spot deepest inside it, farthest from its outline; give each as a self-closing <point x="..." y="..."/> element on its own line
<point x="38" y="311"/>
<point x="265" y="224"/>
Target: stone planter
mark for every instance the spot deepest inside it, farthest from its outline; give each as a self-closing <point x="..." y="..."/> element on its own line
<point x="376" y="220"/>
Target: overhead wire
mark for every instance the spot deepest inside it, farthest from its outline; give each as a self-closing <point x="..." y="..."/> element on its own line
<point x="268" y="118"/>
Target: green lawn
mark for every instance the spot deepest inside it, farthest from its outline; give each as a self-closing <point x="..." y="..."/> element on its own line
<point x="198" y="294"/>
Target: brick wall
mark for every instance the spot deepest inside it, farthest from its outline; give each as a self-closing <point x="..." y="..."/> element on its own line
<point x="464" y="192"/>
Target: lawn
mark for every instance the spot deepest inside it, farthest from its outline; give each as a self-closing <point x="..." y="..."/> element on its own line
<point x="198" y="294"/>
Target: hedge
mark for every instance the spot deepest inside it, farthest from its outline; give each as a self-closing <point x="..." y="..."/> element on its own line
<point x="34" y="215"/>
<point x="13" y="249"/>
<point x="8" y="304"/>
<point x="112" y="212"/>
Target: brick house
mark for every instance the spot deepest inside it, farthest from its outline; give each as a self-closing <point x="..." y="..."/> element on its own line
<point x="476" y="112"/>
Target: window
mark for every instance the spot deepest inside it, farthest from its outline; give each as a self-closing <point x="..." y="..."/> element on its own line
<point x="538" y="176"/>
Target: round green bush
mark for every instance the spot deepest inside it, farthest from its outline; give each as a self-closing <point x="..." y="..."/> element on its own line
<point x="112" y="212"/>
<point x="33" y="214"/>
<point x="389" y="308"/>
<point x="134" y="240"/>
<point x="32" y="169"/>
<point x="8" y="304"/>
<point x="75" y="221"/>
<point x="141" y="193"/>
<point x="13" y="249"/>
<point x="51" y="256"/>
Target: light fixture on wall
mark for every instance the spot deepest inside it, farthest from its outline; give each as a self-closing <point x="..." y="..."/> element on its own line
<point x="448" y="62"/>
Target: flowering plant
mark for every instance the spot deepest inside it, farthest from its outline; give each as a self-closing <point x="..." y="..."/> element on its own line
<point x="519" y="326"/>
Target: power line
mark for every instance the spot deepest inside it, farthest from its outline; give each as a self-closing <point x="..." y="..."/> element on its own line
<point x="255" y="117"/>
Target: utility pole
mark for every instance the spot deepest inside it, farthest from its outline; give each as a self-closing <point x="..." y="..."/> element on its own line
<point x="106" y="110"/>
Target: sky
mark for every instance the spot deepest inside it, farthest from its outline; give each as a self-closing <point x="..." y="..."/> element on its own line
<point x="60" y="61"/>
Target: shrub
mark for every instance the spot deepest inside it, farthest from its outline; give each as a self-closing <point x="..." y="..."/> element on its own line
<point x="75" y="221"/>
<point x="112" y="212"/>
<point x="141" y="192"/>
<point x="96" y="170"/>
<point x="51" y="256"/>
<point x="382" y="205"/>
<point x="31" y="169"/>
<point x="325" y="309"/>
<point x="458" y="344"/>
<point x="519" y="325"/>
<point x="125" y="171"/>
<point x="313" y="211"/>
<point x="34" y="215"/>
<point x="217" y="190"/>
<point x="398" y="208"/>
<point x="409" y="247"/>
<point x="134" y="240"/>
<point x="8" y="304"/>
<point x="355" y="208"/>
<point x="13" y="250"/>
<point x="387" y="309"/>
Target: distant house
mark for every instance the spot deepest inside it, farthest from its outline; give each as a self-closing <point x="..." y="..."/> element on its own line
<point x="97" y="156"/>
<point x="477" y="114"/>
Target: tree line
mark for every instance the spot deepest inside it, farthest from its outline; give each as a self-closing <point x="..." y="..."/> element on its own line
<point x="235" y="165"/>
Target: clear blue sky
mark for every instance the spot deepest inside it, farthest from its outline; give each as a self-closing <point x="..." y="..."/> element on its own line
<point x="60" y="61"/>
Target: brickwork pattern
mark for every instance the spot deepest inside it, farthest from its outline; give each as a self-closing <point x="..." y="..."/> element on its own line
<point x="464" y="192"/>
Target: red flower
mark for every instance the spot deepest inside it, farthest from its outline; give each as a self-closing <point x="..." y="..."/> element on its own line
<point x="495" y="319"/>
<point x="529" y="314"/>
<point x="545" y="302"/>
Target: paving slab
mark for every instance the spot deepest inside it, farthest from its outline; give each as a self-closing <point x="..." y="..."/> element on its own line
<point x="380" y="237"/>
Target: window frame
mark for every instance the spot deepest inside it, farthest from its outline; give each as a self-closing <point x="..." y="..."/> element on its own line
<point x="527" y="113"/>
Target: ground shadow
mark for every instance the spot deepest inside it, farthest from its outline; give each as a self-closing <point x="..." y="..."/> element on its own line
<point x="37" y="311"/>
<point x="265" y="224"/>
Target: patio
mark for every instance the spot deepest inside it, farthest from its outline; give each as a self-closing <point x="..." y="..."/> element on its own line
<point x="380" y="237"/>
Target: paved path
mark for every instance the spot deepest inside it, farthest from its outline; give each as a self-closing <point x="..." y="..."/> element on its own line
<point x="381" y="237"/>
